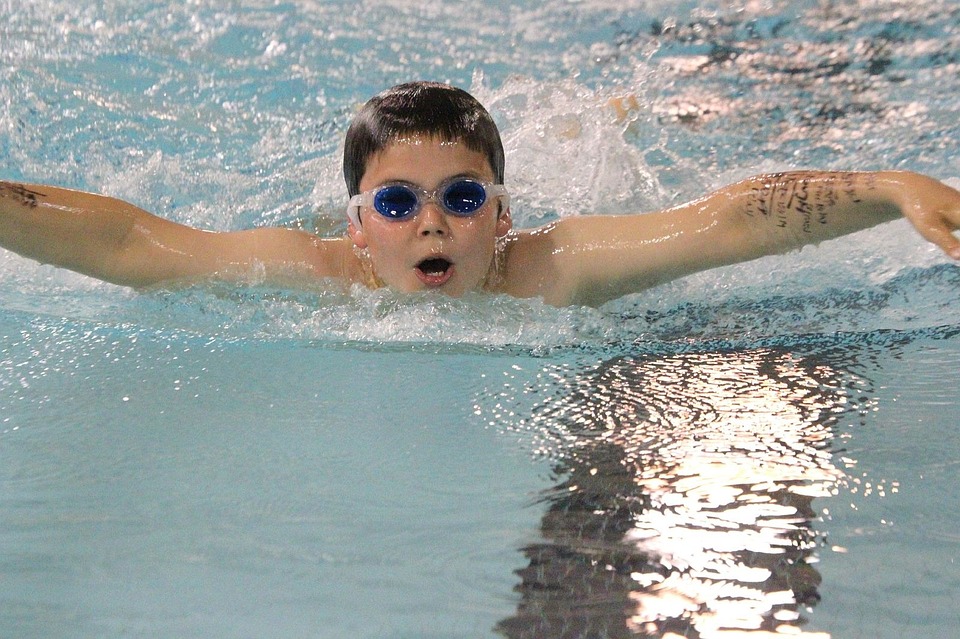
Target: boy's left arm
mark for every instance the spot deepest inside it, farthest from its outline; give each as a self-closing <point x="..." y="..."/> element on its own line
<point x="599" y="258"/>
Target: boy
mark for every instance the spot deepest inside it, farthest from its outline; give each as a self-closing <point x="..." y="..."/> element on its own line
<point x="424" y="168"/>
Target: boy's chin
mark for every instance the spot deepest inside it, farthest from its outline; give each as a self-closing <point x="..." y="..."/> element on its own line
<point x="451" y="285"/>
<point x="448" y="289"/>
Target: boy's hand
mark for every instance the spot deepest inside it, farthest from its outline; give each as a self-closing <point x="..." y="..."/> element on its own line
<point x="934" y="210"/>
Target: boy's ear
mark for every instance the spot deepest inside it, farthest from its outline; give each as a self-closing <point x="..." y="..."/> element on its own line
<point x="504" y="222"/>
<point x="357" y="236"/>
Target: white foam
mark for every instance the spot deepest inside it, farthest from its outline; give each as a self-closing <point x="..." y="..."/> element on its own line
<point x="569" y="152"/>
<point x="565" y="150"/>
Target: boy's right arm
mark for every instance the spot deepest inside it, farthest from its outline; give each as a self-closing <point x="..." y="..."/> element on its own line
<point x="120" y="243"/>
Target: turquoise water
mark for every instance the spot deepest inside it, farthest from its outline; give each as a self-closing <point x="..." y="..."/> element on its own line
<point x="768" y="445"/>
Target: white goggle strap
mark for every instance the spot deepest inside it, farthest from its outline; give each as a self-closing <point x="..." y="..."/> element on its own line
<point x="353" y="210"/>
<point x="499" y="191"/>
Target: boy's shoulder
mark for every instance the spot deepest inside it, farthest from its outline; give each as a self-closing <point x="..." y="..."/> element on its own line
<point x="532" y="266"/>
<point x="584" y="259"/>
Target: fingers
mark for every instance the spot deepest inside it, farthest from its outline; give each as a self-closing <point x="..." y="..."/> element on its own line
<point x="943" y="237"/>
<point x="954" y="250"/>
<point x="935" y="212"/>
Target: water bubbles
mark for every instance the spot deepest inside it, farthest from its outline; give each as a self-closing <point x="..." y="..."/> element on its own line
<point x="274" y="49"/>
<point x="566" y="151"/>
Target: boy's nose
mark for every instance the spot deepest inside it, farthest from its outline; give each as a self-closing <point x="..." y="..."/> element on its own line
<point x="432" y="220"/>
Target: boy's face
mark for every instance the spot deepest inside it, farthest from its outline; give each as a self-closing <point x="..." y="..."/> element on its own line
<point x="433" y="249"/>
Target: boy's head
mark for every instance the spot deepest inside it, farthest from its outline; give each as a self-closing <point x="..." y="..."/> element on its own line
<point x="432" y="146"/>
<point x="419" y="108"/>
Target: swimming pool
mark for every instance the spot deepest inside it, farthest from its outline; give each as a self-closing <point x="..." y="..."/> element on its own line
<point x="772" y="445"/>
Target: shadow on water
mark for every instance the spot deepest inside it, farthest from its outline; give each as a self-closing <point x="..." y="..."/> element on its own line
<point x="684" y="495"/>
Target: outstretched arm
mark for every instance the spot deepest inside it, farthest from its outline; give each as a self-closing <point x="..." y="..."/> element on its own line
<point x="115" y="241"/>
<point x="594" y="259"/>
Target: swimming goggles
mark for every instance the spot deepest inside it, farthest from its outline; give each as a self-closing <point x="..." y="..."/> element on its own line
<point x="461" y="197"/>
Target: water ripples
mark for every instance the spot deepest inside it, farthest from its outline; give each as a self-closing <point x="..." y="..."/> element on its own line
<point x="685" y="486"/>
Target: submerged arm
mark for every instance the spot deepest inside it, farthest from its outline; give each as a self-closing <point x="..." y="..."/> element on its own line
<point x="117" y="242"/>
<point x="599" y="258"/>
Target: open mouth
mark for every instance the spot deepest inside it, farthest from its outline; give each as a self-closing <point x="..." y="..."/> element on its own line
<point x="434" y="266"/>
<point x="435" y="271"/>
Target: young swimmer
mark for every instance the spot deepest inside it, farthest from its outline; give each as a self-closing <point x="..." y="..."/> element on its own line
<point x="424" y="167"/>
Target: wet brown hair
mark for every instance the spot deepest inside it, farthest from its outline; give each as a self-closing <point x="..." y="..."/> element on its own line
<point x="424" y="108"/>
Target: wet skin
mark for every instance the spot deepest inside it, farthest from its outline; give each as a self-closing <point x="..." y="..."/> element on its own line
<point x="433" y="249"/>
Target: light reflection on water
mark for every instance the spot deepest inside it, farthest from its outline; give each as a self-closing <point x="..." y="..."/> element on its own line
<point x="687" y="482"/>
<point x="685" y="496"/>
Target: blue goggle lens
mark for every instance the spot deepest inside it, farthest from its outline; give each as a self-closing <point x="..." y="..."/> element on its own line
<point x="464" y="197"/>
<point x="397" y="201"/>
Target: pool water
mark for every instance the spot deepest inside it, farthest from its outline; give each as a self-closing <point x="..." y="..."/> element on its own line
<point x="766" y="448"/>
